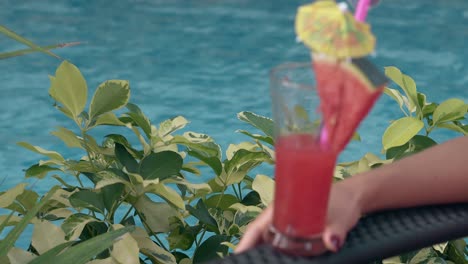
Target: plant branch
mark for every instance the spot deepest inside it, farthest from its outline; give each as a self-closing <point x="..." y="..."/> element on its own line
<point x="127" y="213"/>
<point x="149" y="230"/>
<point x="240" y="191"/>
<point x="88" y="151"/>
<point x="235" y="192"/>
<point x="197" y="243"/>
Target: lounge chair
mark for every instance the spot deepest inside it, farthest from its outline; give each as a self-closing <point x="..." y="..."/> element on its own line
<point x="378" y="236"/>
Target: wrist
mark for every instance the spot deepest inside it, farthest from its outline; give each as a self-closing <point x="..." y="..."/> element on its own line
<point x="362" y="193"/>
<point x="352" y="189"/>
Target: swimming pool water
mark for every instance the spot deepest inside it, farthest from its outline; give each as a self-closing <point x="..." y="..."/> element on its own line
<point x="206" y="60"/>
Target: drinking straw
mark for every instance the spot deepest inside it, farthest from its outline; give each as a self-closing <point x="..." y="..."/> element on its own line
<point x="362" y="9"/>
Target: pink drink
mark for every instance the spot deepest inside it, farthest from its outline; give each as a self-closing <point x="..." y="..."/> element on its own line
<point x="304" y="172"/>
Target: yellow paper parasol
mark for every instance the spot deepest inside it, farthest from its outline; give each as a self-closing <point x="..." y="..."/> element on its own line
<point x="327" y="28"/>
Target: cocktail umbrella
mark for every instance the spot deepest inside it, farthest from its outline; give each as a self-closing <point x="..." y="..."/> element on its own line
<point x="326" y="28"/>
<point x="348" y="89"/>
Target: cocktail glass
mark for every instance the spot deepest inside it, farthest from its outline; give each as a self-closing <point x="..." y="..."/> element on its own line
<point x="305" y="161"/>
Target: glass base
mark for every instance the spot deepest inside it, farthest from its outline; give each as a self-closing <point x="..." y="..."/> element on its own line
<point x="311" y="246"/>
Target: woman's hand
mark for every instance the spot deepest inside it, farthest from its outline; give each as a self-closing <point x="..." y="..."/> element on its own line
<point x="344" y="211"/>
<point x="255" y="232"/>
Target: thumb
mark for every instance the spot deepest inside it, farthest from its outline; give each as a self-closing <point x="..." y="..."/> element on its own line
<point x="334" y="237"/>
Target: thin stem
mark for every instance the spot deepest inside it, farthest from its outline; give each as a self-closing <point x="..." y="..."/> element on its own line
<point x="119" y="203"/>
<point x="88" y="152"/>
<point x="222" y="193"/>
<point x="201" y="238"/>
<point x="127" y="213"/>
<point x="240" y="191"/>
<point x="235" y="192"/>
<point x="148" y="229"/>
<point x="77" y="176"/>
<point x="221" y="197"/>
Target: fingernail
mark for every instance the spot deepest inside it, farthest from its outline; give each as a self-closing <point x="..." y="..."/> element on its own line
<point x="336" y="242"/>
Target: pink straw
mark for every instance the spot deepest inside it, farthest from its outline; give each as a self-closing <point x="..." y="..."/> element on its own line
<point x="361" y="10"/>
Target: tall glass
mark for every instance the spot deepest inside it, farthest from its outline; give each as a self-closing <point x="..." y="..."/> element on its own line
<point x="304" y="161"/>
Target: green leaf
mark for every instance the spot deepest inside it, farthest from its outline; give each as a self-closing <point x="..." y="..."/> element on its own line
<point x="160" y="165"/>
<point x="139" y="118"/>
<point x="111" y="139"/>
<point x="68" y="137"/>
<point x="111" y="195"/>
<point x="88" y="199"/>
<point x="51" y="154"/>
<point x="108" y="118"/>
<point x="222" y="201"/>
<point x="9" y="33"/>
<point x="453" y="127"/>
<point x="429" y="109"/>
<point x="233" y="230"/>
<point x="112" y="181"/>
<point x="240" y="164"/>
<point x="17" y="255"/>
<point x="264" y="186"/>
<point x="46" y="236"/>
<point x="198" y="188"/>
<point x="181" y="236"/>
<point x="167" y="193"/>
<point x="213" y="162"/>
<point x="125" y="158"/>
<point x="245" y="214"/>
<point x="407" y="84"/>
<point x="109" y="96"/>
<point x="416" y="144"/>
<point x="419" y="143"/>
<point x="74" y="225"/>
<point x="201" y="213"/>
<point x="449" y="110"/>
<point x="422" y="256"/>
<point x="51" y="253"/>
<point x="209" y="249"/>
<point x="171" y="125"/>
<point x="126" y="250"/>
<point x="14" y="234"/>
<point x="39" y="171"/>
<point x="8" y="197"/>
<point x="252" y="198"/>
<point x="156" y="215"/>
<point x="440" y="247"/>
<point x="422" y="102"/>
<point x="82" y="166"/>
<point x="150" y="249"/>
<point x="69" y="88"/>
<point x="8" y="220"/>
<point x="201" y="147"/>
<point x="24" y="202"/>
<point x="243" y="156"/>
<point x="83" y="252"/>
<point x="264" y="124"/>
<point x="397" y="96"/>
<point x="456" y="251"/>
<point x="401" y="131"/>
<point x="265" y="139"/>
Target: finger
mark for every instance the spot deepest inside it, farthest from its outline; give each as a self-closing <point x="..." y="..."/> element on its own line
<point x="253" y="234"/>
<point x="334" y="237"/>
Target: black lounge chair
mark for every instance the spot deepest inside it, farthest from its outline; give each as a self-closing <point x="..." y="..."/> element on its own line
<point x="378" y="236"/>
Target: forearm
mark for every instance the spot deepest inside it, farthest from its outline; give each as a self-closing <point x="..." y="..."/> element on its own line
<point x="436" y="175"/>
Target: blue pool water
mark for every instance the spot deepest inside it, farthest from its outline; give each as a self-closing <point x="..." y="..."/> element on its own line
<point x="206" y="60"/>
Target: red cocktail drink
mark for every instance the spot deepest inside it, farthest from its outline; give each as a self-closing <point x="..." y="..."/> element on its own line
<point x="305" y="161"/>
<point x="303" y="176"/>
